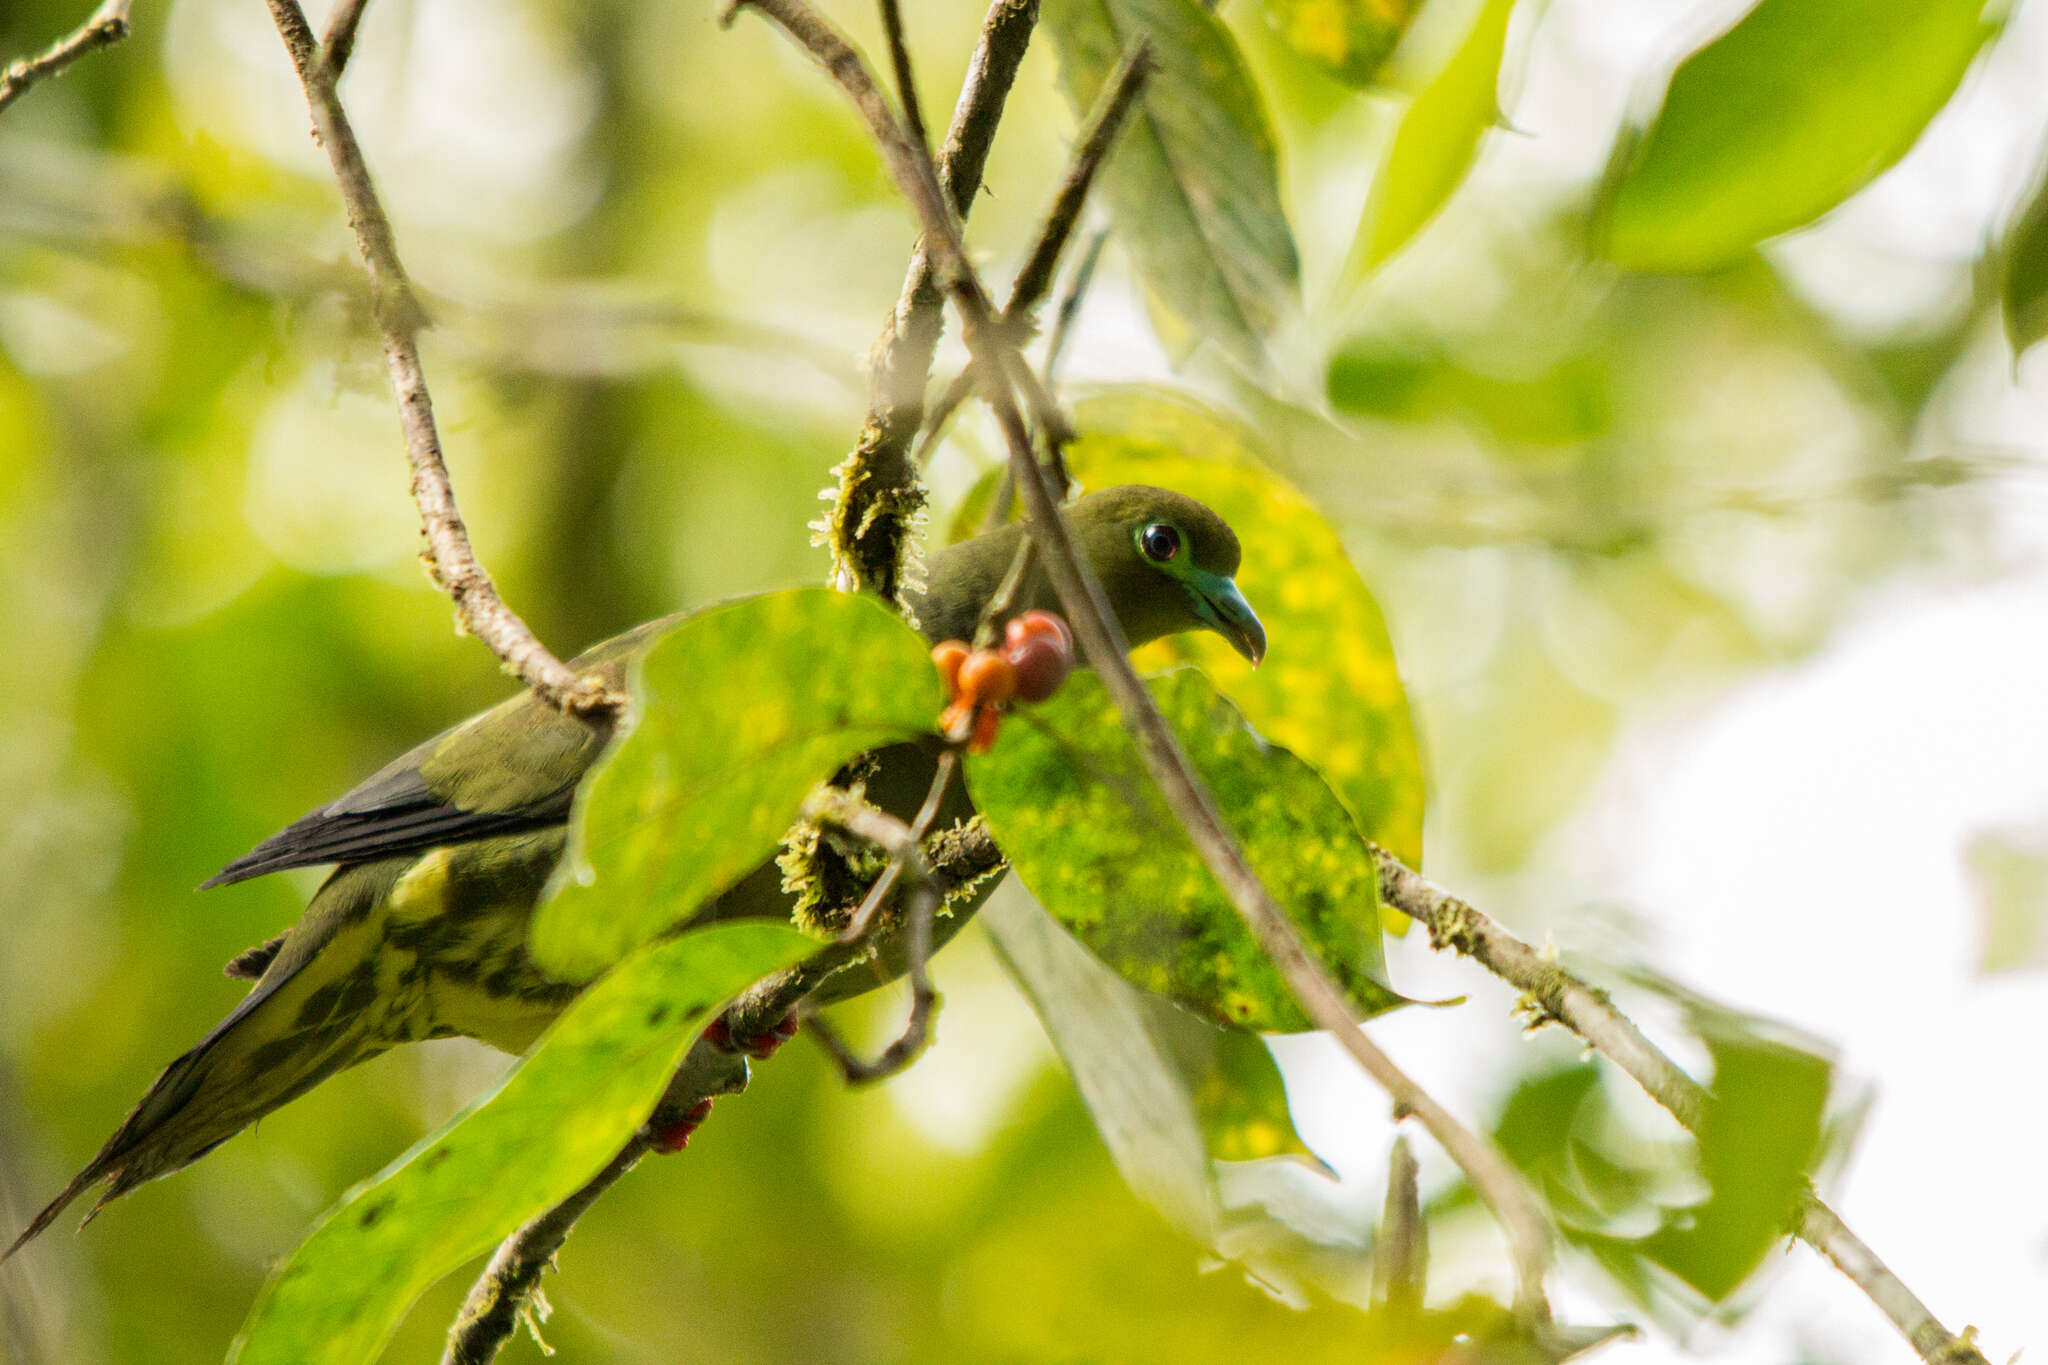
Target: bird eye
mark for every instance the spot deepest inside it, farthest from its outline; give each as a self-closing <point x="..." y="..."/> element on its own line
<point x="1159" y="541"/>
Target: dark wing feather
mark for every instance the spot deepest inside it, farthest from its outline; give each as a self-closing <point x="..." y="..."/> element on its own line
<point x="513" y="768"/>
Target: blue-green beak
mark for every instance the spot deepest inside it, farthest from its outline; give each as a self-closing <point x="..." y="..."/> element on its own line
<point x="1223" y="609"/>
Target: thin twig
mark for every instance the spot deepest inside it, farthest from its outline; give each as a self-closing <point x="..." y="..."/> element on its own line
<point x="870" y="524"/>
<point x="340" y="43"/>
<point x="106" y="26"/>
<point x="1552" y="994"/>
<point x="906" y="78"/>
<point x="1004" y="373"/>
<point x="450" y="558"/>
<point x="1105" y="121"/>
<point x="1070" y="305"/>
<point x="1112" y="108"/>
<point x="907" y="865"/>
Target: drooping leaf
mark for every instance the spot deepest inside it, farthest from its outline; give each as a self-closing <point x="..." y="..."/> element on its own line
<point x="1781" y="118"/>
<point x="1139" y="1102"/>
<point x="1142" y="1062"/>
<point x="1436" y="142"/>
<point x="1071" y="804"/>
<point x="2025" y="293"/>
<point x="1351" y="39"/>
<point x="557" y="1117"/>
<point x="741" y="711"/>
<point x="1193" y="184"/>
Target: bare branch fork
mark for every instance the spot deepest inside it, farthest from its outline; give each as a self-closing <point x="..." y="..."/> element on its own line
<point x="450" y="558"/>
<point x="104" y="27"/>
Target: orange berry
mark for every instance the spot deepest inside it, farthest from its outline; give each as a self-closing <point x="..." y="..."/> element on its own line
<point x="985" y="725"/>
<point x="987" y="678"/>
<point x="947" y="656"/>
<point x="1042" y="663"/>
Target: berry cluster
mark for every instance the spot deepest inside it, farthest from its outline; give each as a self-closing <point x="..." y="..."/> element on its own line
<point x="1035" y="658"/>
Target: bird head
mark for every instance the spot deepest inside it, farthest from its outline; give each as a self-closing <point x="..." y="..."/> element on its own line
<point x="1166" y="562"/>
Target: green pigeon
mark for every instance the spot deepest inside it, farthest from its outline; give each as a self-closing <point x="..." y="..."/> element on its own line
<point x="443" y="855"/>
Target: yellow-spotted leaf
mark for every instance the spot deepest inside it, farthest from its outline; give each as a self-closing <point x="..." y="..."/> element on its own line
<point x="551" y="1124"/>
<point x="741" y="710"/>
<point x="1088" y="833"/>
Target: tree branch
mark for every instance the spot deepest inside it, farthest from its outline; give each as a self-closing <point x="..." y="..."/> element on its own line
<point x="909" y="866"/>
<point x="1112" y="109"/>
<point x="1005" y="374"/>
<point x="1550" y="994"/>
<point x="906" y="78"/>
<point x="870" y="523"/>
<point x="106" y="26"/>
<point x="340" y="43"/>
<point x="450" y="558"/>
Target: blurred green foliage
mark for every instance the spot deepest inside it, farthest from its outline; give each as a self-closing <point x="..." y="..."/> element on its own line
<point x="655" y="252"/>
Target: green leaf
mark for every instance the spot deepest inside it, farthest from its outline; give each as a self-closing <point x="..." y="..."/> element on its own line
<point x="1194" y="184"/>
<point x="2009" y="874"/>
<point x="1436" y="143"/>
<point x="552" y="1123"/>
<point x="1328" y="689"/>
<point x="1087" y="832"/>
<point x="2025" y="293"/>
<point x="1350" y="39"/>
<point x="742" y="710"/>
<point x="1141" y="1105"/>
<point x="1756" y="1147"/>
<point x="1780" y="119"/>
<point x="1163" y="1086"/>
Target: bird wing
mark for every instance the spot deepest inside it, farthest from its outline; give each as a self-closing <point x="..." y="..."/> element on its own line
<point x="514" y="767"/>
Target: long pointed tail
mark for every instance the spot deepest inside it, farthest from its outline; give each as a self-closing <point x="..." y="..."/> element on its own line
<point x="315" y="1011"/>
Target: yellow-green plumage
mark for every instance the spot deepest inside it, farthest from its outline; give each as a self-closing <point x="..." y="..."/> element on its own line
<point x="443" y="854"/>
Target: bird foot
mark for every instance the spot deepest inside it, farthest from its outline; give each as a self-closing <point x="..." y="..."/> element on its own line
<point x="761" y="1046"/>
<point x="673" y="1137"/>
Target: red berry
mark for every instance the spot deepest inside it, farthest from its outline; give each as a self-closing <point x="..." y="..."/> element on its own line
<point x="1037" y="623"/>
<point x="673" y="1137"/>
<point x="985" y="726"/>
<point x="1042" y="663"/>
<point x="987" y="678"/>
<point x="947" y="656"/>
